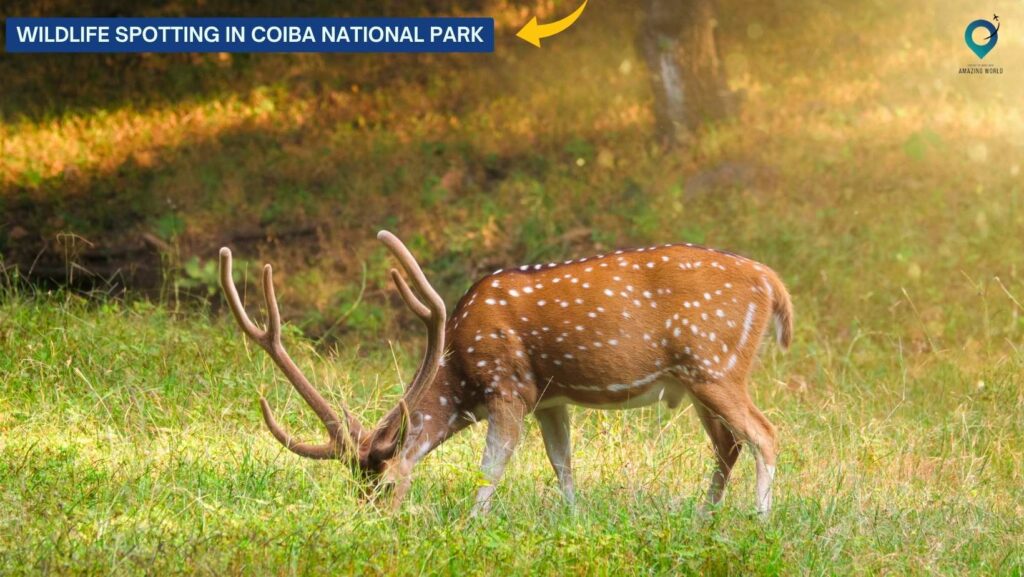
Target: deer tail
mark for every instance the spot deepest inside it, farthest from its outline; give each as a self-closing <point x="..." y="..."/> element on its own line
<point x="782" y="311"/>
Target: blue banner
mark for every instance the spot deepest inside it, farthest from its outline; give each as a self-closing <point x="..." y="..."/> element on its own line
<point x="354" y="35"/>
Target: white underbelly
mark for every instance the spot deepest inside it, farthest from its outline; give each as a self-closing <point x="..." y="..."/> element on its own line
<point x="667" y="389"/>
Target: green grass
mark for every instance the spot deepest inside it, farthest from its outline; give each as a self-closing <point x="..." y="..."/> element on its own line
<point x="132" y="443"/>
<point x="884" y="189"/>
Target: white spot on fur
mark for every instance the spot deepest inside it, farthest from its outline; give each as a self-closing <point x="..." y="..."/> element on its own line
<point x="748" y="323"/>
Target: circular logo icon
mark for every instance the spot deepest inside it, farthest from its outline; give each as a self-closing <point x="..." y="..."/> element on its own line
<point x="981" y="49"/>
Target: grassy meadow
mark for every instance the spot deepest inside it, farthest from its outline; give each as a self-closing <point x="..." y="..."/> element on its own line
<point x="882" y="186"/>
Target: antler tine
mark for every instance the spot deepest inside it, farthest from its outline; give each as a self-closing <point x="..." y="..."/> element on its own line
<point x="273" y="312"/>
<point x="435" y="304"/>
<point x="270" y="341"/>
<point x="432" y="314"/>
<point x="329" y="450"/>
<point x="228" y="284"/>
<point x="410" y="299"/>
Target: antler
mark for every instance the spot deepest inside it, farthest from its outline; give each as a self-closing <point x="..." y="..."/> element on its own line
<point x="270" y="341"/>
<point x="432" y="314"/>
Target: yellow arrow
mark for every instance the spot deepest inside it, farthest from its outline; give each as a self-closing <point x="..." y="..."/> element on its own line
<point x="533" y="32"/>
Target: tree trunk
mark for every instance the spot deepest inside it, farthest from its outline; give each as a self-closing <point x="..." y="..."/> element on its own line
<point x="677" y="41"/>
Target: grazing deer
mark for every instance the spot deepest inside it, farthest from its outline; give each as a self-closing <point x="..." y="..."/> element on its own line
<point x="613" y="331"/>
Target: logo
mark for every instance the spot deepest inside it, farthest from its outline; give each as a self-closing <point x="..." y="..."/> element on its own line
<point x="988" y="33"/>
<point x="981" y="50"/>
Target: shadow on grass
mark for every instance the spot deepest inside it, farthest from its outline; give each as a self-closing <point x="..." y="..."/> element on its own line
<point x="264" y="184"/>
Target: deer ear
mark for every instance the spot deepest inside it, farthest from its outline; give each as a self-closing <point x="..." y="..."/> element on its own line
<point x="383" y="442"/>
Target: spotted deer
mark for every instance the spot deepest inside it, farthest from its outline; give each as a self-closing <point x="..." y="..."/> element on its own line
<point x="619" y="330"/>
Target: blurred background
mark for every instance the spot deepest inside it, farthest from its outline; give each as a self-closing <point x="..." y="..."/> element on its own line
<point x="833" y="140"/>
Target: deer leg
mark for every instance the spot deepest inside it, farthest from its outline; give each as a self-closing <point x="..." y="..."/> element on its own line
<point x="727" y="450"/>
<point x="422" y="438"/>
<point x="504" y="426"/>
<point x="554" y="427"/>
<point x="730" y="402"/>
<point x="765" y="439"/>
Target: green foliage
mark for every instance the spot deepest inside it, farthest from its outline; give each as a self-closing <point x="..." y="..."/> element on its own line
<point x="146" y="444"/>
<point x="365" y="318"/>
<point x="887" y="198"/>
<point x="920" y="142"/>
<point x="580" y="150"/>
<point x="199" y="275"/>
<point x="169" y="226"/>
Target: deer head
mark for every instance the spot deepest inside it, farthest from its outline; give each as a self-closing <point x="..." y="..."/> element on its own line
<point x="612" y="331"/>
<point x="367" y="451"/>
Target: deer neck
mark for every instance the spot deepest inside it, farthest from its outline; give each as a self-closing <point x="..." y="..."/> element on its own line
<point x="420" y="420"/>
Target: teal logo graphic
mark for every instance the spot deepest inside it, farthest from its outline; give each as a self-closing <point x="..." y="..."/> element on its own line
<point x="990" y="41"/>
